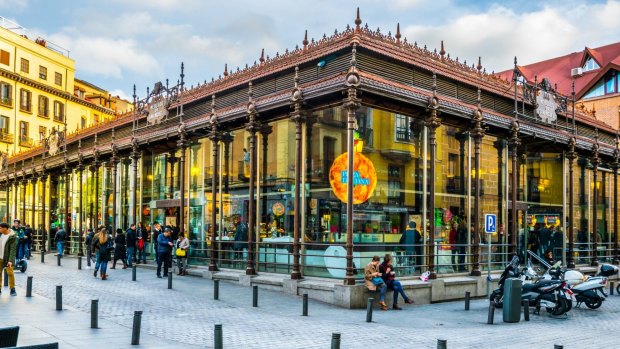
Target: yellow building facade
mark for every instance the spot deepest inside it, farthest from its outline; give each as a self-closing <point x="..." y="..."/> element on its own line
<point x="39" y="93"/>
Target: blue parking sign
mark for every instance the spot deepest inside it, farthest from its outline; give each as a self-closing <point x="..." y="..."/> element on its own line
<point x="490" y="223"/>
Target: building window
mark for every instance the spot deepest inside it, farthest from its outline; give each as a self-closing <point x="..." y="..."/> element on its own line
<point x="25" y="65"/>
<point x="402" y="131"/>
<point x="5" y="57"/>
<point x="6" y="94"/>
<point x="605" y="86"/>
<point x="42" y="133"/>
<point x="590" y="64"/>
<point x="95" y="119"/>
<point x="42" y="72"/>
<point x="4" y="124"/>
<point x="83" y="122"/>
<point x="395" y="193"/>
<point x="58" y="79"/>
<point x="23" y="131"/>
<point x="59" y="112"/>
<point x="25" y="100"/>
<point x="44" y="106"/>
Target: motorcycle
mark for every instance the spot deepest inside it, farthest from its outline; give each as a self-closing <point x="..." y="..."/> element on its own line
<point x="587" y="290"/>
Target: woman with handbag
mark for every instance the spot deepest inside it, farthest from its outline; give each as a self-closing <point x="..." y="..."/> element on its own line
<point x="374" y="281"/>
<point x="389" y="277"/>
<point x="181" y="253"/>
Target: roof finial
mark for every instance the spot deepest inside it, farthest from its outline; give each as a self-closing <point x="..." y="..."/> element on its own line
<point x="225" y="70"/>
<point x="479" y="66"/>
<point x="358" y="21"/>
<point x="305" y="42"/>
<point x="398" y="36"/>
<point x="442" y="51"/>
<point x="262" y="56"/>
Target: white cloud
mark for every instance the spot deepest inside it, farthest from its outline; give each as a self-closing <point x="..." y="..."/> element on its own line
<point x="500" y="33"/>
<point x="13" y="4"/>
<point x="108" y="57"/>
<point x="120" y="93"/>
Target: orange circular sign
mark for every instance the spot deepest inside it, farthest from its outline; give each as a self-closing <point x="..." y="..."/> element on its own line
<point x="364" y="178"/>
<point x="277" y="209"/>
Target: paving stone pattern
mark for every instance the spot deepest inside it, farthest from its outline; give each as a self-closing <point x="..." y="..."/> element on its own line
<point x="184" y="317"/>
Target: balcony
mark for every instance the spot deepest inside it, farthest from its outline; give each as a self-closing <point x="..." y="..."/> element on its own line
<point x="404" y="135"/>
<point x="6" y="137"/>
<point x="26" y="142"/>
<point x="6" y="102"/>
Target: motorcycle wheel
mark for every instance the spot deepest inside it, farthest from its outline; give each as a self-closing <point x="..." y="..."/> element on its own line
<point x="569" y="305"/>
<point x="593" y="303"/>
<point x="498" y="299"/>
<point x="560" y="307"/>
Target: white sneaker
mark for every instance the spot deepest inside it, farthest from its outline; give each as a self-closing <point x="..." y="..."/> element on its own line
<point x="87" y="267"/>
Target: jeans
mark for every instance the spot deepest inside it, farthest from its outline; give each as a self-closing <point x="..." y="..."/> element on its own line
<point x="89" y="256"/>
<point x="130" y="251"/>
<point x="163" y="257"/>
<point x="182" y="261"/>
<point x="142" y="255"/>
<point x="22" y="250"/>
<point x="60" y="246"/>
<point x="102" y="264"/>
<point x="398" y="289"/>
<point x="382" y="290"/>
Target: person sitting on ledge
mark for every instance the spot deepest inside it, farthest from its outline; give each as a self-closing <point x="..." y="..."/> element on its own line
<point x="388" y="274"/>
<point x="374" y="280"/>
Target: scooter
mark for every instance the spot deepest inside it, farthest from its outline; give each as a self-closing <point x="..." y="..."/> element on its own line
<point x="21" y="265"/>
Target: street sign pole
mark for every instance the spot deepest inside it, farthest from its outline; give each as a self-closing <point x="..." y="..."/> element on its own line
<point x="490" y="227"/>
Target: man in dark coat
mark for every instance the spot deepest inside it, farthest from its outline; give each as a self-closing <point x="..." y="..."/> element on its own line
<point x="119" y="249"/>
<point x="131" y="244"/>
<point x="241" y="236"/>
<point x="89" y="241"/>
<point x="412" y="240"/>
<point x="8" y="250"/>
<point x="156" y="231"/>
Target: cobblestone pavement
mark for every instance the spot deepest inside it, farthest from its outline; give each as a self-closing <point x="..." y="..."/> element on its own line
<point x="186" y="314"/>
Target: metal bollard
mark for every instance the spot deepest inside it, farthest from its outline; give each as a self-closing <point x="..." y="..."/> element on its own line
<point x="442" y="343"/>
<point x="79" y="262"/>
<point x="557" y="346"/>
<point x="58" y="297"/>
<point x="491" y="313"/>
<point x="467" y="295"/>
<point x="6" y="279"/>
<point x="335" y="340"/>
<point x="42" y="256"/>
<point x="94" y="313"/>
<point x="58" y="257"/>
<point x="29" y="286"/>
<point x="304" y="311"/>
<point x="170" y="280"/>
<point x="369" y="310"/>
<point x="255" y="296"/>
<point x="216" y="289"/>
<point x="217" y="337"/>
<point x="526" y="310"/>
<point x="133" y="272"/>
<point x="135" y="333"/>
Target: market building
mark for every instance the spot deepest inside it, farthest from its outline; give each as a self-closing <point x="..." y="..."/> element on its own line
<point x="262" y="153"/>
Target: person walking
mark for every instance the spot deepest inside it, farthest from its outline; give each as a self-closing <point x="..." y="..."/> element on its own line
<point x="29" y="240"/>
<point x="102" y="246"/>
<point x="120" y="250"/>
<point x="182" y="253"/>
<point x="461" y="241"/>
<point x="142" y="236"/>
<point x="164" y="245"/>
<point x="21" y="239"/>
<point x="8" y="251"/>
<point x="89" y="241"/>
<point x="131" y="244"/>
<point x="388" y="274"/>
<point x="155" y="235"/>
<point x="61" y="236"/>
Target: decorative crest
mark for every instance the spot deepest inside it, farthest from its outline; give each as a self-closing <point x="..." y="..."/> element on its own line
<point x="398" y="36"/>
<point x="358" y="21"/>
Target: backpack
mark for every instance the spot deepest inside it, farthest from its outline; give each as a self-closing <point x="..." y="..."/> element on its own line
<point x="110" y="244"/>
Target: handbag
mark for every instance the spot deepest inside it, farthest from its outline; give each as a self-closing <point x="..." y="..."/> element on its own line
<point x="181" y="252"/>
<point x="377" y="281"/>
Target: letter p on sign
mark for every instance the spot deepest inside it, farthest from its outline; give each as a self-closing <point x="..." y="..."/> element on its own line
<point x="490" y="223"/>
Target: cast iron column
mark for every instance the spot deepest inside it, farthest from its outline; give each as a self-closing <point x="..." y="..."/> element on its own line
<point x="171" y="160"/>
<point x="297" y="116"/>
<point x="114" y="165"/>
<point x="94" y="168"/>
<point x="432" y="122"/>
<point x="135" y="157"/>
<point x="595" y="160"/>
<point x="615" y="165"/>
<point x="7" y="189"/>
<point x="351" y="103"/>
<point x="571" y="155"/>
<point x="252" y="127"/>
<point x="514" y="142"/>
<point x="80" y="171"/>
<point x="227" y="138"/>
<point x="33" y="181"/>
<point x="67" y="173"/>
<point x="477" y="133"/>
<point x="265" y="130"/>
<point x="43" y="209"/>
<point x="23" y="197"/>
<point x="214" y="136"/>
<point x="182" y="144"/>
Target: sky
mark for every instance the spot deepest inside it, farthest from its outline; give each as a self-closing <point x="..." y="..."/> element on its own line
<point x="119" y="43"/>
